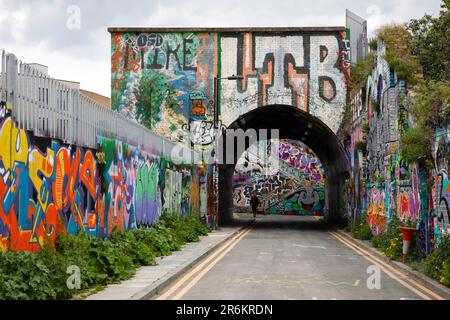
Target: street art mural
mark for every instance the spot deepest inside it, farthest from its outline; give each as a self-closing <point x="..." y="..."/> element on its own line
<point x="163" y="76"/>
<point x="246" y="184"/>
<point x="165" y="80"/>
<point x="294" y="183"/>
<point x="48" y="188"/>
<point x="300" y="157"/>
<point x="441" y="221"/>
<point x="376" y="208"/>
<point x="305" y="70"/>
<point x="306" y="201"/>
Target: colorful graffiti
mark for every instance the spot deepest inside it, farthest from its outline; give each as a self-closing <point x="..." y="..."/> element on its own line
<point x="246" y="184"/>
<point x="287" y="182"/>
<point x="306" y="201"/>
<point x="299" y="156"/>
<point x="376" y="209"/>
<point x="46" y="191"/>
<point x="299" y="69"/>
<point x="441" y="182"/>
<point x="163" y="76"/>
<point x="48" y="188"/>
<point x="166" y="80"/>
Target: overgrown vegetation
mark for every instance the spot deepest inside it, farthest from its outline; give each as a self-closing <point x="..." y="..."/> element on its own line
<point x="430" y="41"/>
<point x="361" y="230"/>
<point x="361" y="71"/>
<point x="415" y="145"/>
<point x="365" y="127"/>
<point x="397" y="39"/>
<point x="437" y="264"/>
<point x="379" y="179"/>
<point x="391" y="243"/>
<point x="375" y="105"/>
<point x="373" y="44"/>
<point x="25" y="275"/>
<point x="431" y="110"/>
<point x="361" y="145"/>
<point x="431" y="105"/>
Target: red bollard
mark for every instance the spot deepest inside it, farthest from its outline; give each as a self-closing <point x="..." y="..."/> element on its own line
<point x="408" y="234"/>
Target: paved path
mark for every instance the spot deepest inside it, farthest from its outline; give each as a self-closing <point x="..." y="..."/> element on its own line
<point x="287" y="257"/>
<point x="148" y="279"/>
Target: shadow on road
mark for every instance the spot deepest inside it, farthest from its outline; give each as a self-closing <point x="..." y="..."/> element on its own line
<point x="281" y="222"/>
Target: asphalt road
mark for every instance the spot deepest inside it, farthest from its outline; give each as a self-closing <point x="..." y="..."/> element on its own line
<point x="289" y="257"/>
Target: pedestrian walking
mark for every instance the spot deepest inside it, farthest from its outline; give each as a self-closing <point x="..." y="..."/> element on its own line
<point x="254" y="202"/>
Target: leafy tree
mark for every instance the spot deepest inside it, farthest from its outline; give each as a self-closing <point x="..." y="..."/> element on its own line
<point x="431" y="106"/>
<point x="431" y="43"/>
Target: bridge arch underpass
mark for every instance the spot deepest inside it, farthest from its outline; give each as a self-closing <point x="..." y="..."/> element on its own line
<point x="294" y="124"/>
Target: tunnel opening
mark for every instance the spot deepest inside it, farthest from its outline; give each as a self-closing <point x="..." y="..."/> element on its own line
<point x="291" y="124"/>
<point x="285" y="175"/>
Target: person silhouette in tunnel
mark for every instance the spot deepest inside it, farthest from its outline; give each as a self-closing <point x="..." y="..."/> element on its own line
<point x="254" y="202"/>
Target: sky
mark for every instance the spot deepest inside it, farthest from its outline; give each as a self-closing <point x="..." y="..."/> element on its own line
<point x="71" y="36"/>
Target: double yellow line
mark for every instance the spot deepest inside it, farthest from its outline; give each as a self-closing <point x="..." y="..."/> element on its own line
<point x="202" y="269"/>
<point x="392" y="272"/>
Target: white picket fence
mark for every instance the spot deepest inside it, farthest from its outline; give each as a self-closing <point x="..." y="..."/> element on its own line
<point x="51" y="109"/>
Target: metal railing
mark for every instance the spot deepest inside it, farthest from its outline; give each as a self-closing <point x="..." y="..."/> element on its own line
<point x="52" y="109"/>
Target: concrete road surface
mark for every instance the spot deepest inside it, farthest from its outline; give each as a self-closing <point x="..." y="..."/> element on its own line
<point x="291" y="257"/>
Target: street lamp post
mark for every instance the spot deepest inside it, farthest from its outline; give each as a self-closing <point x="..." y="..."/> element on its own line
<point x="216" y="126"/>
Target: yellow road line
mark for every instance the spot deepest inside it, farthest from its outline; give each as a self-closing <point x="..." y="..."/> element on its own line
<point x="385" y="267"/>
<point x="432" y="293"/>
<point x="391" y="275"/>
<point x="188" y="275"/>
<point x="199" y="276"/>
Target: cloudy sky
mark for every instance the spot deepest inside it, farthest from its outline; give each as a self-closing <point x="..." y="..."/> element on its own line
<point x="37" y="30"/>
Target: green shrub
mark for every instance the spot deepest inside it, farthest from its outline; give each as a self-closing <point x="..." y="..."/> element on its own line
<point x="361" y="145"/>
<point x="391" y="243"/>
<point x="361" y="230"/>
<point x="415" y="145"/>
<point x="373" y="44"/>
<point x="436" y="265"/>
<point x="361" y="71"/>
<point x="25" y="275"/>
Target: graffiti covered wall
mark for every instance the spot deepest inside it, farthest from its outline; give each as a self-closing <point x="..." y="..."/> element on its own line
<point x="387" y="188"/>
<point x="290" y="182"/>
<point x="306" y="201"/>
<point x="48" y="188"/>
<point x="165" y="80"/>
